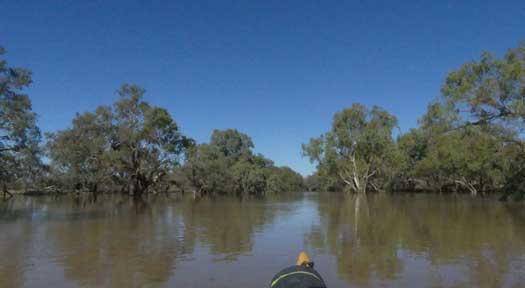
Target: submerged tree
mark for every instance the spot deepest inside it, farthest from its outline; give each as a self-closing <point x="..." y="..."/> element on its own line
<point x="206" y="171"/>
<point x="470" y="140"/>
<point x="227" y="165"/>
<point x="471" y="159"/>
<point x="132" y="145"/>
<point x="359" y="150"/>
<point x="81" y="155"/>
<point x="492" y="91"/>
<point x="146" y="142"/>
<point x="445" y="154"/>
<point x="19" y="135"/>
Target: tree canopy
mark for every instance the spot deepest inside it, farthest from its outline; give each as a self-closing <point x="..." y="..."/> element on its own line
<point x="19" y="134"/>
<point x="228" y="166"/>
<point x="471" y="139"/>
<point x="358" y="150"/>
<point x="132" y="146"/>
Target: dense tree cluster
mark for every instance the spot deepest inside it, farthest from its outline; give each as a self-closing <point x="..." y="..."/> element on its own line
<point x="470" y="139"/>
<point x="130" y="147"/>
<point x="227" y="165"/>
<point x="135" y="148"/>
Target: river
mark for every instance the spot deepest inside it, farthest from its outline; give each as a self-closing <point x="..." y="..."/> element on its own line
<point x="355" y="241"/>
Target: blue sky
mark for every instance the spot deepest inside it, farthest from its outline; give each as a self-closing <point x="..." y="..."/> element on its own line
<point x="276" y="70"/>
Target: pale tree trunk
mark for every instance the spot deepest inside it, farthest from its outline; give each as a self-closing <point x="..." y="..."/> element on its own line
<point x="356" y="214"/>
<point x="361" y="210"/>
<point x="463" y="182"/>
<point x="357" y="182"/>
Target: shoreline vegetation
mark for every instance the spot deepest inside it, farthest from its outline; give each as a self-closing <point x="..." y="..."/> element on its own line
<point x="470" y="140"/>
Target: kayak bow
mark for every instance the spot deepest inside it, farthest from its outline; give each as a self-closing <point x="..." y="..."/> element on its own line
<point x="301" y="275"/>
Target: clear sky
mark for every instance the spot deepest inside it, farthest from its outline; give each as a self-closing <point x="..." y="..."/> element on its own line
<point x="276" y="70"/>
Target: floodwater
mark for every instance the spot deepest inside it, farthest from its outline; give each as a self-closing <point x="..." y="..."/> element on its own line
<point x="374" y="241"/>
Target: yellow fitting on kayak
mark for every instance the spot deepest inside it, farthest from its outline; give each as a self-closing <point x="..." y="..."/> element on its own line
<point x="303" y="259"/>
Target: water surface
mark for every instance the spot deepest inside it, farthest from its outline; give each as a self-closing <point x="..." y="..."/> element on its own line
<point x="374" y="241"/>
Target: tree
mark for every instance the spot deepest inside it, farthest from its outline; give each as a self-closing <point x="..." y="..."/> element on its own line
<point x="206" y="171"/>
<point x="285" y="179"/>
<point x="471" y="158"/>
<point x="359" y="150"/>
<point x="81" y="154"/>
<point x="146" y="142"/>
<point x="492" y="91"/>
<point x="19" y="135"/>
<point x="132" y="145"/>
<point x="249" y="178"/>
<point x="228" y="166"/>
<point x="446" y="154"/>
<point x="232" y="143"/>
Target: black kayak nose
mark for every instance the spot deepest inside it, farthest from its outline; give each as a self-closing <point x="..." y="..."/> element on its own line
<point x="298" y="276"/>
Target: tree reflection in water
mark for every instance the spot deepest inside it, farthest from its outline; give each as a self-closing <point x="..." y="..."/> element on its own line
<point x="375" y="240"/>
<point x="135" y="244"/>
<point x="132" y="242"/>
<point x="375" y="237"/>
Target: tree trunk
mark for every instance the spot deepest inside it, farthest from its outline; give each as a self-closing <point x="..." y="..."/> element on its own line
<point x="482" y="185"/>
<point x="469" y="186"/>
<point x="95" y="190"/>
<point x="6" y="192"/>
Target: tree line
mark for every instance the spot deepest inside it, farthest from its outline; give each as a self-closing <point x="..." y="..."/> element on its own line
<point x="130" y="147"/>
<point x="470" y="140"/>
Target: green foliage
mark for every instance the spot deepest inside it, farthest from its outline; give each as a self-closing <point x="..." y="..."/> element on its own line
<point x="359" y="151"/>
<point x="470" y="139"/>
<point x="284" y="179"/>
<point x="471" y="158"/>
<point x="19" y="135"/>
<point x="228" y="166"/>
<point x="80" y="155"/>
<point x="206" y="170"/>
<point x="491" y="92"/>
<point x="131" y="146"/>
<point x="491" y="89"/>
<point x="232" y="143"/>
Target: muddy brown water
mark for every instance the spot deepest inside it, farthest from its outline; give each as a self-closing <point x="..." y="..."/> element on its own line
<point x="355" y="241"/>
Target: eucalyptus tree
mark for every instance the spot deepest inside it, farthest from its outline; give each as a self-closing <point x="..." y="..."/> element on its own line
<point x="285" y="179"/>
<point x="228" y="166"/>
<point x="206" y="171"/>
<point x="445" y="153"/>
<point x="492" y="91"/>
<point x="146" y="141"/>
<point x="81" y="155"/>
<point x="470" y="159"/>
<point x="131" y="145"/>
<point x="19" y="134"/>
<point x="232" y="143"/>
<point x="359" y="150"/>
